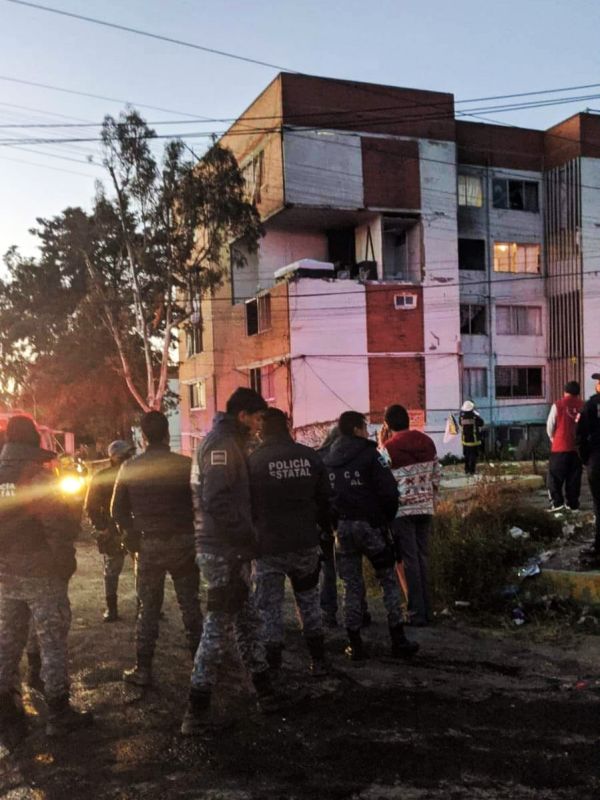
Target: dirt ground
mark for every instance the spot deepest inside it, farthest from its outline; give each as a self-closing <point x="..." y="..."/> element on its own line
<point x="478" y="713"/>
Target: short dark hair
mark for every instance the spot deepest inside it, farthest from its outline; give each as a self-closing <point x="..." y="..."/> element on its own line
<point x="245" y="399"/>
<point x="397" y="418"/>
<point x="21" y="429"/>
<point x="572" y="387"/>
<point x="274" y="421"/>
<point x="155" y="426"/>
<point x="350" y="420"/>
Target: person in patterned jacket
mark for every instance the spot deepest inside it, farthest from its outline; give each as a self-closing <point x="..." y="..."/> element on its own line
<point x="413" y="459"/>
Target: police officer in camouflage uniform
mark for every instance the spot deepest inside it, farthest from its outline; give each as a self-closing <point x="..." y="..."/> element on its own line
<point x="152" y="503"/>
<point x="226" y="544"/>
<point x="37" y="558"/>
<point x="365" y="501"/>
<point x="107" y="535"/>
<point x="290" y="492"/>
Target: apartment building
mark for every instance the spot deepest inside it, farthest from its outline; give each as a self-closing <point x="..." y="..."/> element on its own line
<point x="408" y="257"/>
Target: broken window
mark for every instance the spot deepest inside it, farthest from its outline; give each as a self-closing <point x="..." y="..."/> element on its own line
<point x="516" y="195"/>
<point x="473" y="320"/>
<point x="471" y="254"/>
<point x="258" y="314"/>
<point x="197" y="395"/>
<point x="470" y="190"/>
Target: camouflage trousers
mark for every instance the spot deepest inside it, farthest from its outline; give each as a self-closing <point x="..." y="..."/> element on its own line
<point x="43" y="602"/>
<point x="302" y="568"/>
<point x="112" y="568"/>
<point x="355" y="539"/>
<point x="230" y="613"/>
<point x="157" y="557"/>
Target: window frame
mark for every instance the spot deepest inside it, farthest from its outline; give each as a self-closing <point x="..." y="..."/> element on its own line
<point x="463" y="193"/>
<point x="511" y="186"/>
<point x="512" y="255"/>
<point x="194" y="340"/>
<point x="483" y="266"/>
<point x="200" y="382"/>
<point x="261" y="318"/>
<point x="483" y="307"/>
<point x="515" y="382"/>
<point x="513" y="311"/>
<point x="467" y="379"/>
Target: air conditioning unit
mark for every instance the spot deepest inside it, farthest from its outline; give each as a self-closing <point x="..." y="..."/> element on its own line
<point x="405" y="301"/>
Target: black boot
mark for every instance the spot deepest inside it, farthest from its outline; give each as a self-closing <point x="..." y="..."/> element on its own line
<point x="401" y="646"/>
<point x="195" y="720"/>
<point x="63" y="718"/>
<point x="355" y="649"/>
<point x="33" y="679"/>
<point x="111" y="614"/>
<point x="274" y="655"/>
<point x="318" y="663"/>
<point x="141" y="674"/>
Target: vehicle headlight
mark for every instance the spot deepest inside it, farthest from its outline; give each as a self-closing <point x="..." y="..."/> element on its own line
<point x="72" y="484"/>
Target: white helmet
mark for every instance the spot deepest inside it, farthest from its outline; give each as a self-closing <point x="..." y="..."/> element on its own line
<point x="468" y="406"/>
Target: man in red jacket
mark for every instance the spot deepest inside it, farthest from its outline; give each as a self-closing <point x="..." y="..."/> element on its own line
<point x="413" y="459"/>
<point x="564" y="468"/>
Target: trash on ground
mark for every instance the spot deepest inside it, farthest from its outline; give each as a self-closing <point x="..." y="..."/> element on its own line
<point x="518" y="616"/>
<point x="518" y="533"/>
<point x="530" y="569"/>
<point x="462" y="604"/>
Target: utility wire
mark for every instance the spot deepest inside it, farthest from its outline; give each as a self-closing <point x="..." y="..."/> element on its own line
<point x="148" y="34"/>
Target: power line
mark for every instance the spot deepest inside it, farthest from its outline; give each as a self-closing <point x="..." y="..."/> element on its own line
<point x="148" y="34"/>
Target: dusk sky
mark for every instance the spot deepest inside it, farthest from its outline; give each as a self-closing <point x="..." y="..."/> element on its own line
<point x="473" y="49"/>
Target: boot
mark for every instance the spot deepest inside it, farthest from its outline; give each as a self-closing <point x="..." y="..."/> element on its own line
<point x="269" y="701"/>
<point x="401" y="646"/>
<point x="141" y="674"/>
<point x="63" y="718"/>
<point x="13" y="720"/>
<point x="195" y="720"/>
<point x="355" y="649"/>
<point x="33" y="679"/>
<point x="111" y="614"/>
<point x="274" y="655"/>
<point x="319" y="667"/>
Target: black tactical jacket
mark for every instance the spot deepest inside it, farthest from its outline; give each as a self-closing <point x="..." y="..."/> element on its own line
<point x="587" y="435"/>
<point x="99" y="495"/>
<point x="152" y="494"/>
<point x="221" y="493"/>
<point x="37" y="528"/>
<point x="290" y="493"/>
<point x="364" y="488"/>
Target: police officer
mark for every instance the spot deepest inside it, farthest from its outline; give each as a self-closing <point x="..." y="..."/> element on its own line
<point x="587" y="438"/>
<point x="152" y="503"/>
<point x="37" y="558"/>
<point x="226" y="544"/>
<point x="290" y="493"/>
<point x="107" y="535"/>
<point x="365" y="500"/>
<point x="471" y="424"/>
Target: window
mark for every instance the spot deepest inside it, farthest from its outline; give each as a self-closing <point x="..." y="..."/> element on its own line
<point x="516" y="195"/>
<point x="252" y="173"/>
<point x="513" y="257"/>
<point x="405" y="301"/>
<point x="470" y="191"/>
<point x="197" y="395"/>
<point x="258" y="315"/>
<point x="193" y="340"/>
<point x="471" y="254"/>
<point x="519" y="320"/>
<point x="519" y="382"/>
<point x="473" y="320"/>
<point x="474" y="382"/>
<point x="262" y="380"/>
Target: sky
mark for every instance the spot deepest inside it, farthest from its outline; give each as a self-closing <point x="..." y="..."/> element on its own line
<point x="472" y="49"/>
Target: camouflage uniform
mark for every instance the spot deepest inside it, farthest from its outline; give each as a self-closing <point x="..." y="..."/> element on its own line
<point x="230" y="611"/>
<point x="301" y="568"/>
<point x="113" y="566"/>
<point x="155" y="559"/>
<point x="355" y="538"/>
<point x="46" y="602"/>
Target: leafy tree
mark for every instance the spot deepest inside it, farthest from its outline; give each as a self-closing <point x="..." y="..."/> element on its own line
<point x="155" y="241"/>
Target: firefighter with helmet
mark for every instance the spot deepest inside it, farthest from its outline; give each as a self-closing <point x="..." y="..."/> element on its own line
<point x="471" y="423"/>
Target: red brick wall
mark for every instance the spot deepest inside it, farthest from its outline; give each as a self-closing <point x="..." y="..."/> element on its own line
<point x="391" y="331"/>
<point x="399" y="379"/>
<point x="391" y="173"/>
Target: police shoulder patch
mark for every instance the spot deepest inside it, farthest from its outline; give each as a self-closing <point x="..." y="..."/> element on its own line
<point x="218" y="458"/>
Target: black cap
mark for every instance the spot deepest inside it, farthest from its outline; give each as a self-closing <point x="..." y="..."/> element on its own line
<point x="596" y="376"/>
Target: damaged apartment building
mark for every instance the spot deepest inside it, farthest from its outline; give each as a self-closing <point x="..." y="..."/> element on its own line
<point x="408" y="257"/>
